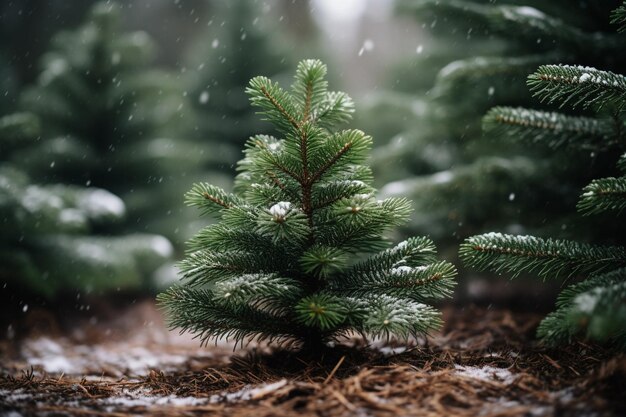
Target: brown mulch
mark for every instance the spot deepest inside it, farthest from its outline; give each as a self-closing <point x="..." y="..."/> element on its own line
<point x="484" y="363"/>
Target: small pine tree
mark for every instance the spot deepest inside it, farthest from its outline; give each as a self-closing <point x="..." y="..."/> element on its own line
<point x="594" y="308"/>
<point x="281" y="265"/>
<point x="107" y="118"/>
<point x="50" y="241"/>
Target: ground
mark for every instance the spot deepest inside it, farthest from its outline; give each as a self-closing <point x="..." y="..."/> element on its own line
<point x="485" y="362"/>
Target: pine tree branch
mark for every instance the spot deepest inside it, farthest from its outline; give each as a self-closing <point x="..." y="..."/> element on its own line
<point x="276" y="163"/>
<point x="278" y="183"/>
<point x="284" y="224"/>
<point x="331" y="162"/>
<point x="618" y="17"/>
<point x="603" y="194"/>
<point x="267" y="292"/>
<point x="555" y="329"/>
<point x="415" y="251"/>
<point x="330" y="192"/>
<point x="210" y="198"/>
<point x="621" y="163"/>
<point x="323" y="261"/>
<point x="307" y="102"/>
<point x="341" y="151"/>
<point x="286" y="170"/>
<point x="337" y="108"/>
<point x="386" y="316"/>
<point x="275" y="103"/>
<point x="593" y="308"/>
<point x="310" y="87"/>
<point x="547" y="258"/>
<point x="328" y="202"/>
<point x="216" y="200"/>
<point x="197" y="312"/>
<point x="601" y="312"/>
<point x="205" y="267"/>
<point x="552" y="129"/>
<point x="222" y="238"/>
<point x="322" y="310"/>
<point x="307" y="205"/>
<point x="567" y="296"/>
<point x="420" y="283"/>
<point x="578" y="86"/>
<point x="281" y="109"/>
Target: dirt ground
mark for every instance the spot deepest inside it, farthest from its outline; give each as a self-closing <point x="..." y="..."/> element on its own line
<point x="485" y="362"/>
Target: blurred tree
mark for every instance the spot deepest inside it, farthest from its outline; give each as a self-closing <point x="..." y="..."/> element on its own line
<point x="461" y="182"/>
<point x="8" y="83"/>
<point x="280" y="265"/>
<point x="108" y="122"/>
<point x="26" y="27"/>
<point x="54" y="237"/>
<point x="237" y="45"/>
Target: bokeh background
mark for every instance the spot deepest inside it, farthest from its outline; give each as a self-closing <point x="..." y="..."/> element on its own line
<point x="111" y="111"/>
<point x="121" y="106"/>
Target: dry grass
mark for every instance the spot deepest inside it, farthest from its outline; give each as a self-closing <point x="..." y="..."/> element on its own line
<point x="485" y="363"/>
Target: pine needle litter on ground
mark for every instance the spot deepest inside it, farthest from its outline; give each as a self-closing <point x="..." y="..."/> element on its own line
<point x="485" y="362"/>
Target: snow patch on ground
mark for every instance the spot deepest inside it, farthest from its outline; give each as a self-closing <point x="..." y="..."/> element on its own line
<point x="125" y="399"/>
<point x="390" y="351"/>
<point x="59" y="357"/>
<point x="17" y="395"/>
<point x="249" y="392"/>
<point x="128" y="398"/>
<point x="142" y="398"/>
<point x="504" y="406"/>
<point x="383" y="347"/>
<point x="486" y="373"/>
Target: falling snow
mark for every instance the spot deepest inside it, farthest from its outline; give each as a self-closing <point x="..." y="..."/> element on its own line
<point x="368" y="45"/>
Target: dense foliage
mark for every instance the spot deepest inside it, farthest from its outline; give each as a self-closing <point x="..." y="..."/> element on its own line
<point x="285" y="261"/>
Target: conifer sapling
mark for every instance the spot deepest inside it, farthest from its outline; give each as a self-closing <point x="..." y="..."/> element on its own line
<point x="300" y="253"/>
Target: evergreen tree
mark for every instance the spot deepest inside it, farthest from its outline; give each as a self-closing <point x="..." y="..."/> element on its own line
<point x="463" y="181"/>
<point x="283" y="264"/>
<point x="52" y="241"/>
<point x="596" y="306"/>
<point x="25" y="31"/>
<point x="108" y="118"/>
<point x="236" y="46"/>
